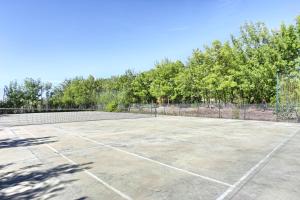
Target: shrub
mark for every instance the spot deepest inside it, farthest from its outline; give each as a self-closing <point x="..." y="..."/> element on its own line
<point x="111" y="106"/>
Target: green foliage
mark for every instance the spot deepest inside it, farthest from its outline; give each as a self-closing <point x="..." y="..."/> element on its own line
<point x="241" y="70"/>
<point x="125" y="88"/>
<point x="105" y="98"/>
<point x="111" y="106"/>
<point x="2" y="104"/>
<point x="109" y="101"/>
<point x="32" y="92"/>
<point x="141" y="87"/>
<point x="289" y="93"/>
<point x="14" y="94"/>
<point x="164" y="75"/>
<point x="77" y="92"/>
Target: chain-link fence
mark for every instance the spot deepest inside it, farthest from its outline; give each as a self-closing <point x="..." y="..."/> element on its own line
<point x="263" y="112"/>
<point x="25" y="116"/>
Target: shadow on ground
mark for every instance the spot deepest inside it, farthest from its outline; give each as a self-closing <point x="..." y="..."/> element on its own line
<point x="5" y="165"/>
<point x="35" y="182"/>
<point x="11" y="143"/>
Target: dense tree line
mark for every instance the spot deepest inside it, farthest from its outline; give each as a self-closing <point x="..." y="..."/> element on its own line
<point x="32" y="93"/>
<point x="240" y="70"/>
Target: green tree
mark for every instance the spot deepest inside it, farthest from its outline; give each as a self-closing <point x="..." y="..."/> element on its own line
<point x="80" y="92"/>
<point x="33" y="92"/>
<point x="125" y="88"/>
<point x="141" y="87"/>
<point x="14" y="95"/>
<point x="163" y="85"/>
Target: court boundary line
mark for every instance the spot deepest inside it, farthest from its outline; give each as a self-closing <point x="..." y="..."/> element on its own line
<point x="85" y="170"/>
<point x="254" y="170"/>
<point x="145" y="158"/>
<point x="157" y="162"/>
<point x="26" y="147"/>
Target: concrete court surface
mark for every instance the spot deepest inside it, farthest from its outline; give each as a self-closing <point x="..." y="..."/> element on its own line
<point x="151" y="158"/>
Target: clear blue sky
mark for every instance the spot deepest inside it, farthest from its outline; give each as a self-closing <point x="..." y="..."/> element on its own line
<point x="58" y="39"/>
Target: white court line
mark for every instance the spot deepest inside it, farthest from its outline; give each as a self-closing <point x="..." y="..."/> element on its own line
<point x="87" y="171"/>
<point x="16" y="136"/>
<point x="156" y="162"/>
<point x="148" y="159"/>
<point x="254" y="168"/>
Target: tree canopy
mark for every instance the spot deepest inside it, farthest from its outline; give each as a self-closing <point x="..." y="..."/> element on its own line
<point x="242" y="69"/>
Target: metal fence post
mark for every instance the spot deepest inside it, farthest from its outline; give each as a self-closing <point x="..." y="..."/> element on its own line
<point x="244" y="111"/>
<point x="219" y="107"/>
<point x="277" y="92"/>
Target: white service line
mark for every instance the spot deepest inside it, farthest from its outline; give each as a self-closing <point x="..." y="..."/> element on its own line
<point x="254" y="168"/>
<point x="156" y="162"/>
<point x="148" y="159"/>
<point x="87" y="171"/>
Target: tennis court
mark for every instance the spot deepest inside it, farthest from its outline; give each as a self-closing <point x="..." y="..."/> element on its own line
<point x="134" y="156"/>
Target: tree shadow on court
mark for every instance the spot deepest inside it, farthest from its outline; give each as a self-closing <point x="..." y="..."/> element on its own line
<point x="35" y="181"/>
<point x="11" y="143"/>
<point x="5" y="165"/>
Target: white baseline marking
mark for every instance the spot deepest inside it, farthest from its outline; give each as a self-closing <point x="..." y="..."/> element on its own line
<point x="87" y="172"/>
<point x="156" y="162"/>
<point x="254" y="168"/>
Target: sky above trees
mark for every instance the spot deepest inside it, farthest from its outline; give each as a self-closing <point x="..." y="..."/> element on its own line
<point x="54" y="40"/>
